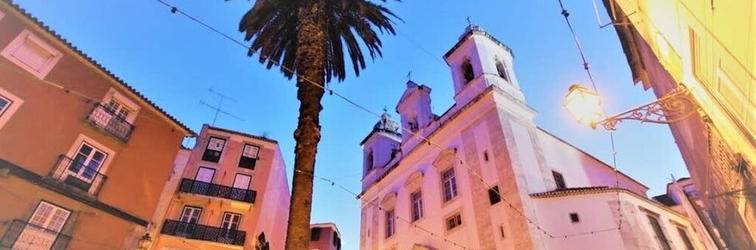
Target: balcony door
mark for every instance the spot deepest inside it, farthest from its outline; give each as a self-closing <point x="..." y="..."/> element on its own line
<point x="43" y="227"/>
<point x="86" y="163"/>
<point x="202" y="180"/>
<point x="229" y="227"/>
<point x="188" y="221"/>
<point x="241" y="187"/>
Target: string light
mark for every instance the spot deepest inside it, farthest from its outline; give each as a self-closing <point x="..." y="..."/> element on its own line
<point x="174" y="10"/>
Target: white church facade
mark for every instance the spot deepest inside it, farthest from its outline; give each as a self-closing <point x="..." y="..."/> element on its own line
<point x="483" y="175"/>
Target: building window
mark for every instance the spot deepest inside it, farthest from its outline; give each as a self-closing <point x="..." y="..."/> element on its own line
<point x="390" y="223"/>
<point x="574" y="217"/>
<point x="485" y="156"/>
<point x="559" y="180"/>
<point x="190" y="214"/>
<point x="188" y="221"/>
<point x="248" y="157"/>
<point x="32" y="54"/>
<point x="42" y="229"/>
<point x="502" y="70"/>
<point x="230" y="225"/>
<point x="118" y="109"/>
<point x="5" y="104"/>
<point x="494" y="196"/>
<point x="684" y="236"/>
<point x="214" y="149"/>
<point x="450" y="184"/>
<point x="467" y="71"/>
<point x="9" y="103"/>
<point x="83" y="171"/>
<point x="315" y="234"/>
<point x="369" y="160"/>
<point x="661" y="238"/>
<point x="453" y="221"/>
<point x="413" y="124"/>
<point x="241" y="187"/>
<point x="336" y="240"/>
<point x="417" y="205"/>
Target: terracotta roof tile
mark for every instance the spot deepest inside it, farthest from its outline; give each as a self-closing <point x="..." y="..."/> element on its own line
<point x="50" y="31"/>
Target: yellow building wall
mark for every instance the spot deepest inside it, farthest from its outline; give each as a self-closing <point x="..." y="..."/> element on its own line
<point x="710" y="47"/>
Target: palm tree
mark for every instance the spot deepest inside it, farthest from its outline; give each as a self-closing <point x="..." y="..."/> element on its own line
<point x="307" y="38"/>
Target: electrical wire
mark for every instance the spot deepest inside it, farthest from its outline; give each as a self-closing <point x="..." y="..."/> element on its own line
<point x="175" y="10"/>
<point x="587" y="69"/>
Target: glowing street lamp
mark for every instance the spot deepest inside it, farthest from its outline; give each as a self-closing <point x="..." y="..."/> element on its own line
<point x="585" y="106"/>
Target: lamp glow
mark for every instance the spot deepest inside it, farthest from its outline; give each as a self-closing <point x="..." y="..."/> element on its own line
<point x="584" y="105"/>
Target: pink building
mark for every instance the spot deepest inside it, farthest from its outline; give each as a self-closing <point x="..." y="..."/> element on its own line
<point x="483" y="175"/>
<point x="232" y="193"/>
<point x="324" y="236"/>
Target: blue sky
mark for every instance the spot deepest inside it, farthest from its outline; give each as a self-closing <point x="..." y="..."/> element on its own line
<point x="174" y="61"/>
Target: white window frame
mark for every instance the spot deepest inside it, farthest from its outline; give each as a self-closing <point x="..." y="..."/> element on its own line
<point x="15" y="103"/>
<point x="123" y="100"/>
<point x="27" y="36"/>
<point x="390" y="220"/>
<point x="105" y="165"/>
<point x="193" y="209"/>
<point x="453" y="187"/>
<point x="252" y="146"/>
<point x="455" y="217"/>
<point x="35" y="234"/>
<point x="416" y="205"/>
<point x="230" y="223"/>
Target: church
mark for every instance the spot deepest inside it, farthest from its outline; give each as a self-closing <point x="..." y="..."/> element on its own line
<point x="483" y="175"/>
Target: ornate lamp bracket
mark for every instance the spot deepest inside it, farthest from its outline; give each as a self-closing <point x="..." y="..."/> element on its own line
<point x="677" y="105"/>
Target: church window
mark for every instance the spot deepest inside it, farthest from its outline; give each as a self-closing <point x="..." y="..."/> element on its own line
<point x="369" y="160"/>
<point x="467" y="71"/>
<point x="502" y="70"/>
<point x="559" y="180"/>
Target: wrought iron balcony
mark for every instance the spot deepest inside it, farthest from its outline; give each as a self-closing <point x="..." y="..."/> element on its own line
<point x="107" y="120"/>
<point x="203" y="232"/>
<point x="215" y="190"/>
<point x="76" y="174"/>
<point x="22" y="235"/>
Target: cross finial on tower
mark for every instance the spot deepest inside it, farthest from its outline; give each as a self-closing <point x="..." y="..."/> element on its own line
<point x="409" y="75"/>
<point x="468" y="21"/>
<point x="385" y="109"/>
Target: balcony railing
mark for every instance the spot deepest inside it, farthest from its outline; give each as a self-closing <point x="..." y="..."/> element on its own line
<point x="24" y="236"/>
<point x="203" y="232"/>
<point x="215" y="190"/>
<point x="110" y="122"/>
<point x="78" y="175"/>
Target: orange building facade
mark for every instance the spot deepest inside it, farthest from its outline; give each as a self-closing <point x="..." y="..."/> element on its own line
<point x="73" y="139"/>
<point x="233" y="194"/>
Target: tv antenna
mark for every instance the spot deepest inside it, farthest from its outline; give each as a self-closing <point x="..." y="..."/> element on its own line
<point x="218" y="108"/>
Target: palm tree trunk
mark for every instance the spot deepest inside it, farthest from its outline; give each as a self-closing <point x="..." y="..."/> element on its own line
<point x="310" y="63"/>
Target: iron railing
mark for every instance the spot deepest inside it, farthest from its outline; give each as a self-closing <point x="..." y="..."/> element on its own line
<point x="107" y="120"/>
<point x="78" y="175"/>
<point x="203" y="232"/>
<point x="25" y="236"/>
<point x="215" y="190"/>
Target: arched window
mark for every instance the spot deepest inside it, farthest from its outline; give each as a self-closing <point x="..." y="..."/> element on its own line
<point x="467" y="71"/>
<point x="502" y="70"/>
<point x="369" y="160"/>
